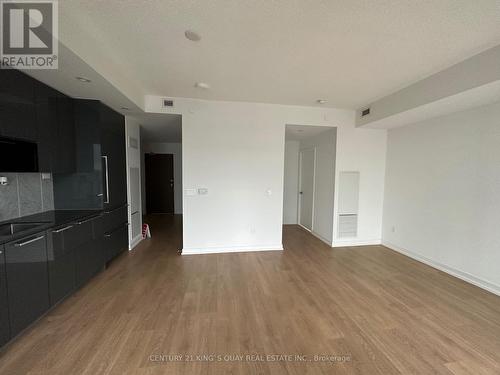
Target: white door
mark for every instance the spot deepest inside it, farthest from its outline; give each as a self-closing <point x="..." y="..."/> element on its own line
<point x="306" y="187"/>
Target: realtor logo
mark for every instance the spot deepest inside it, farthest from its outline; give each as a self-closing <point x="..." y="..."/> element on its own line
<point x="29" y="34"/>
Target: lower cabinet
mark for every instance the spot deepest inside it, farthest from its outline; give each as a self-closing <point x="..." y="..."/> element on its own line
<point x="116" y="241"/>
<point x="61" y="258"/>
<point x="27" y="280"/>
<point x="115" y="231"/>
<point x="75" y="256"/>
<point x="89" y="253"/>
<point x="40" y="270"/>
<point x="4" y="307"/>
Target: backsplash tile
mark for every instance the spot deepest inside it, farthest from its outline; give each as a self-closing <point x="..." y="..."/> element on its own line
<point x="9" y="200"/>
<point x="25" y="194"/>
<point x="30" y="193"/>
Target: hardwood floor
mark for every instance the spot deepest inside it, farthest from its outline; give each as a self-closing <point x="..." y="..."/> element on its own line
<point x="377" y="311"/>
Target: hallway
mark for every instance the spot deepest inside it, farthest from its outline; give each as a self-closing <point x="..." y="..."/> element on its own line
<point x="348" y="305"/>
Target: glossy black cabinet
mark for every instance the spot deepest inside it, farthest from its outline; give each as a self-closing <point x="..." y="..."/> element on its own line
<point x="116" y="241"/>
<point x="27" y="280"/>
<point x="113" y="155"/>
<point x="115" y="231"/>
<point x="55" y="121"/>
<point x="17" y="105"/>
<point x="82" y="143"/>
<point x="89" y="252"/>
<point x="4" y="307"/>
<point x="83" y="189"/>
<point x="66" y="137"/>
<point x="46" y="99"/>
<point x="61" y="262"/>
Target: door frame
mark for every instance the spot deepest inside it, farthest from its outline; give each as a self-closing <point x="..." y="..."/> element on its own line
<point x="299" y="203"/>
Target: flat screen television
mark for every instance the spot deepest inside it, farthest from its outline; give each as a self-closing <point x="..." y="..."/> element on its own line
<point x="18" y="156"/>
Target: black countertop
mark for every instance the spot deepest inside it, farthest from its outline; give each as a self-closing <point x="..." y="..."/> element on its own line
<point x="50" y="219"/>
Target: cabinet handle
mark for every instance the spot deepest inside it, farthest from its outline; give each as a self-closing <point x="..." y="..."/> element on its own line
<point x="62" y="229"/>
<point x="116" y="230"/>
<point x="99" y="195"/>
<point x="21" y="244"/>
<point x="86" y="220"/>
<point x="116" y="209"/>
<point x="106" y="177"/>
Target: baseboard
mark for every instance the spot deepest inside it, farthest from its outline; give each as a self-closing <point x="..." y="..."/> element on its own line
<point x="135" y="241"/>
<point x="355" y="242"/>
<point x="234" y="249"/>
<point x="318" y="236"/>
<point x="467" y="277"/>
<point x="303" y="227"/>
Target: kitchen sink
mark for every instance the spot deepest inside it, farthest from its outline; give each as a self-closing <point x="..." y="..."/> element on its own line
<point x="13" y="228"/>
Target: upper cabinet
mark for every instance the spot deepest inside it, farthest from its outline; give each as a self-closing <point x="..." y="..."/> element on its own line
<point x="66" y="136"/>
<point x="17" y="105"/>
<point x="55" y="121"/>
<point x="114" y="155"/>
<point x="82" y="142"/>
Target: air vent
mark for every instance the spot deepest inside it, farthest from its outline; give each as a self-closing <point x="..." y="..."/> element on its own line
<point x="365" y="112"/>
<point x="168" y="103"/>
<point x="348" y="226"/>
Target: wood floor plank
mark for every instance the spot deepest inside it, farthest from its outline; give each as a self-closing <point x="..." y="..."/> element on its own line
<point x="355" y="310"/>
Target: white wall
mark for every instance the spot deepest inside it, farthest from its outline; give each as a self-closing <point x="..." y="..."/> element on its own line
<point x="324" y="182"/>
<point x="291" y="182"/>
<point x="236" y="150"/>
<point x="176" y="150"/>
<point x="442" y="193"/>
<point x="133" y="162"/>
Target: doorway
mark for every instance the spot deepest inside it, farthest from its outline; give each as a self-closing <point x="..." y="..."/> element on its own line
<point x="159" y="170"/>
<point x="309" y="179"/>
<point x="307" y="160"/>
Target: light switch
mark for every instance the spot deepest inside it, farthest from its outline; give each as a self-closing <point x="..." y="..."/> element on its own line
<point x="202" y="191"/>
<point x="189" y="192"/>
<point x="269" y="192"/>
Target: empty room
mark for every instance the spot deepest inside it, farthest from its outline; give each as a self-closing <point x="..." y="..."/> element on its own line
<point x="249" y="187"/>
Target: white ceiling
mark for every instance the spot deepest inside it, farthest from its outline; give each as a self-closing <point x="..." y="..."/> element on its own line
<point x="349" y="52"/>
<point x="302" y="132"/>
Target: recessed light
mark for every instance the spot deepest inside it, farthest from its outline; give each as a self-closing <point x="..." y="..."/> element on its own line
<point x="202" y="85"/>
<point x="192" y="35"/>
<point x="83" y="79"/>
<point x="321" y="101"/>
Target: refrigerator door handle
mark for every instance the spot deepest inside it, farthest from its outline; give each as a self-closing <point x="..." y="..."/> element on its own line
<point x="106" y="177"/>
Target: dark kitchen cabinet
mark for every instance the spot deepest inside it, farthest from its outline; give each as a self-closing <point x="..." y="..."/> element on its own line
<point x="115" y="241"/>
<point x="61" y="262"/>
<point x="27" y="280"/>
<point x="83" y="189"/>
<point x="4" y="307"/>
<point x="46" y="99"/>
<point x="66" y="137"/>
<point x="89" y="253"/>
<point x="55" y="121"/>
<point x="115" y="218"/>
<point x="75" y="255"/>
<point x="17" y="105"/>
<point x="113" y="154"/>
<point x="115" y="231"/>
